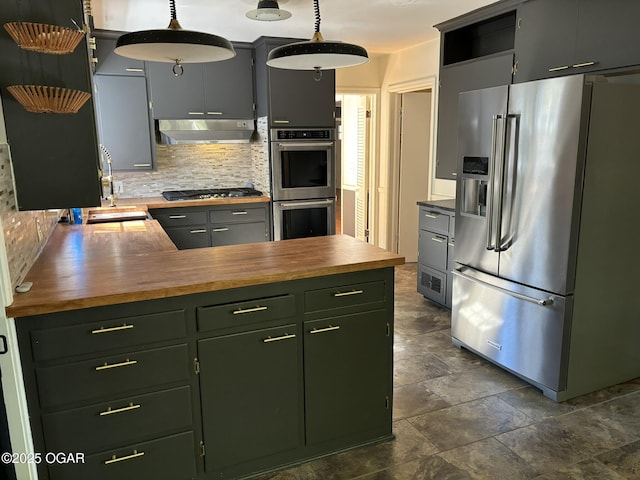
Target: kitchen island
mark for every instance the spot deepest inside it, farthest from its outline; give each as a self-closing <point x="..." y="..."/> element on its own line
<point x="209" y="363"/>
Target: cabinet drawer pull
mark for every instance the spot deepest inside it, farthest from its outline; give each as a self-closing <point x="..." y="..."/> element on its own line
<point x="431" y="215"/>
<point x="176" y="217"/>
<point x="198" y="231"/>
<point x="214" y="113"/>
<point x="286" y="336"/>
<point x="438" y="239"/>
<point x="108" y="366"/>
<point x="346" y="294"/>
<point x="222" y="229"/>
<point x="110" y="411"/>
<point x="556" y="69"/>
<point x="115" y="459"/>
<point x="249" y="310"/>
<point x="195" y="113"/>
<point x="330" y="328"/>
<point x="451" y="244"/>
<point x="136" y="70"/>
<point x="585" y="64"/>
<point x="141" y="165"/>
<point x="112" y="329"/>
<point x="240" y="212"/>
<point x="281" y="121"/>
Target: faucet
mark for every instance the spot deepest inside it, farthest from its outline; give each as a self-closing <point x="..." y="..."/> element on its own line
<point x="109" y="178"/>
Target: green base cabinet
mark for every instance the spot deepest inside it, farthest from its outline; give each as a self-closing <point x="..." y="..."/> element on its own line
<point x="218" y="385"/>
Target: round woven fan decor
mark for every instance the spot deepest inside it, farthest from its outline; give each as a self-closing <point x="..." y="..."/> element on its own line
<point x="44" y="99"/>
<point x="43" y="38"/>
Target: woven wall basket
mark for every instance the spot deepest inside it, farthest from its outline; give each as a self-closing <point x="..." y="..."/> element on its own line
<point x="39" y="37"/>
<point x="43" y="99"/>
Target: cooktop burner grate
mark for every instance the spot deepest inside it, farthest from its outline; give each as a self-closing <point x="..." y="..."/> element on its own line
<point x="172" y="195"/>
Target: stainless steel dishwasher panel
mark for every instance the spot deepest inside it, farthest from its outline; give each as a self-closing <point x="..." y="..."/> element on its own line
<point x="519" y="328"/>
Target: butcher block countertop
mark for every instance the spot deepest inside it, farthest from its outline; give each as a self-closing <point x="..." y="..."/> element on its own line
<point x="86" y="266"/>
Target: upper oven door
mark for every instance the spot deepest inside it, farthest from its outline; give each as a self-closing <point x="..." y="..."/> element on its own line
<point x="303" y="169"/>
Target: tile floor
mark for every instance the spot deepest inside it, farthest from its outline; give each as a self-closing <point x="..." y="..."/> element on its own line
<point x="457" y="417"/>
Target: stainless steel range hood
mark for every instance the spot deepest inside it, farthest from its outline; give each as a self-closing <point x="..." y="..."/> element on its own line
<point x="201" y="131"/>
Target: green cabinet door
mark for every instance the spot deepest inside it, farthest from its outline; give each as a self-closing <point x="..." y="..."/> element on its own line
<point x="348" y="377"/>
<point x="250" y="392"/>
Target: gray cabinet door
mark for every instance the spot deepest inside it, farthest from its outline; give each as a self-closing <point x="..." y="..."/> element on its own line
<point x="196" y="236"/>
<point x="346" y="360"/>
<point x="228" y="86"/>
<point x="487" y="72"/>
<point x="545" y="38"/>
<point x="176" y="97"/>
<point x="236" y="234"/>
<point x="608" y="34"/>
<point x="123" y="121"/>
<point x="110" y="63"/>
<point x="250" y="389"/>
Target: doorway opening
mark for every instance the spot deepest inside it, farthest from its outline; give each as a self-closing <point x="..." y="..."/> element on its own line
<point x="354" y="164"/>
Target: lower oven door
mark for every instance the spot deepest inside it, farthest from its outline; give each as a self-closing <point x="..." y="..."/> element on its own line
<point x="304" y="218"/>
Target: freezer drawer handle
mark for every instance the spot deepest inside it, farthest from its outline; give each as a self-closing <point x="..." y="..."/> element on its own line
<point x="111" y="329"/>
<point x="286" y="336"/>
<point x="330" y="328"/>
<point x="111" y="411"/>
<point x="107" y="366"/>
<point x="346" y="294"/>
<point x="543" y="302"/>
<point x="115" y="459"/>
<point x="249" y="310"/>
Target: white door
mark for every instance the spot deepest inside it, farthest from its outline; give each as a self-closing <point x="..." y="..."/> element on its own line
<point x="415" y="145"/>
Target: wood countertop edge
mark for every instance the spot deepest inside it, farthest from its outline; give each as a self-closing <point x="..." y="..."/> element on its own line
<point x="180" y="290"/>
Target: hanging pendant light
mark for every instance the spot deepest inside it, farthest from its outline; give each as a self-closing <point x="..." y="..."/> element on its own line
<point x="268" y="11"/>
<point x="317" y="54"/>
<point x="174" y="45"/>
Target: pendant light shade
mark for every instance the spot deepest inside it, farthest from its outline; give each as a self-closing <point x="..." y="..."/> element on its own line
<point x="317" y="54"/>
<point x="174" y="45"/>
<point x="268" y="11"/>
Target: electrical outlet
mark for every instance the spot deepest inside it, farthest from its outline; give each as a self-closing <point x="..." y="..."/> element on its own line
<point x="118" y="187"/>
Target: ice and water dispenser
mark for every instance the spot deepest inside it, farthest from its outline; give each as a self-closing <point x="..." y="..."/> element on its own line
<point x="475" y="181"/>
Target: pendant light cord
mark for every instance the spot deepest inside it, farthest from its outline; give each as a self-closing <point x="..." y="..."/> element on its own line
<point x="172" y="8"/>
<point x="316" y="10"/>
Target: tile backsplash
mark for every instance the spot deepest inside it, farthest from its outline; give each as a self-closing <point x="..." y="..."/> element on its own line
<point x="203" y="166"/>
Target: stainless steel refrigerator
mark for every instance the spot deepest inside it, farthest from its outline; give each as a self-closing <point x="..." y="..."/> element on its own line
<point x="546" y="254"/>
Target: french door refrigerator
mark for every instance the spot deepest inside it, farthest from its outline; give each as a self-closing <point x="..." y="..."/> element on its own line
<point x="544" y="172"/>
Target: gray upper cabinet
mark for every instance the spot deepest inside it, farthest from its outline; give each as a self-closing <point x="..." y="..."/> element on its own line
<point x="291" y="98"/>
<point x="110" y="63"/>
<point x="209" y="90"/>
<point x="488" y="72"/>
<point x="124" y="126"/>
<point x="575" y="36"/>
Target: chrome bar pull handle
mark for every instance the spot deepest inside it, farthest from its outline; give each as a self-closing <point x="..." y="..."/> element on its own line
<point x="240" y="212"/>
<point x="249" y="310"/>
<point x="330" y="328"/>
<point x="491" y="187"/>
<point x="584" y="64"/>
<point x="431" y="215"/>
<point x="286" y="336"/>
<point x="108" y="366"/>
<point x="346" y="294"/>
<point x="557" y="69"/>
<point x="221" y="229"/>
<point x="176" y="217"/>
<point x="198" y="231"/>
<point x="115" y="459"/>
<point x="112" y="329"/>
<point x="439" y="239"/>
<point x="501" y="186"/>
<point x="110" y="411"/>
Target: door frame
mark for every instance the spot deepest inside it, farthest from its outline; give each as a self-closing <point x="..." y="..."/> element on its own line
<point x="395" y="91"/>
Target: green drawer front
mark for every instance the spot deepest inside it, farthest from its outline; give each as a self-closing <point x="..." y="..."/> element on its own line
<point x="434" y="220"/>
<point x="169" y="458"/>
<point x="245" y="313"/>
<point x="117" y="333"/>
<point x="110" y="377"/>
<point x="344" y="296"/>
<point x="118" y="422"/>
<point x="178" y="218"/>
<point x="238" y="215"/>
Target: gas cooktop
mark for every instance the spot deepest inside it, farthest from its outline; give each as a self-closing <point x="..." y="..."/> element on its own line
<point x="173" y="195"/>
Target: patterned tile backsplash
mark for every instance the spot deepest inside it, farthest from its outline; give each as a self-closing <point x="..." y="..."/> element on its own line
<point x="25" y="233"/>
<point x="203" y="166"/>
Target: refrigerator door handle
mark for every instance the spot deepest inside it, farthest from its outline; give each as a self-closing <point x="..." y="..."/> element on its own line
<point x="492" y="160"/>
<point x="501" y="173"/>
<point x="543" y="302"/>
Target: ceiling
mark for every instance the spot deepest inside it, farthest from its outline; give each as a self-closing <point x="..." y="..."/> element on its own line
<point x="381" y="26"/>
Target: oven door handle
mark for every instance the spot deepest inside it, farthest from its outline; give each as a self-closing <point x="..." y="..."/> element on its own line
<point x="305" y="145"/>
<point x="319" y="203"/>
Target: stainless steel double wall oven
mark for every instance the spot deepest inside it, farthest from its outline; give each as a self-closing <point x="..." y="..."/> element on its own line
<point x="303" y="169"/>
